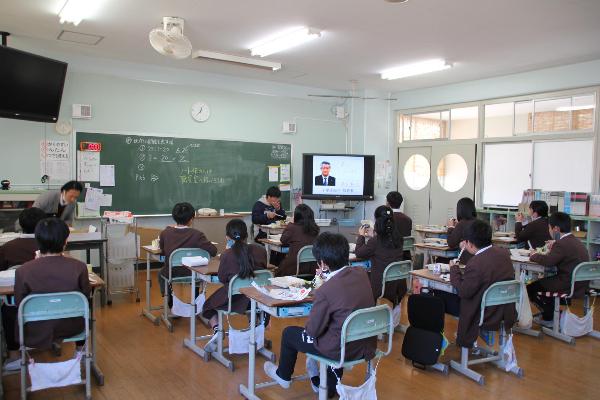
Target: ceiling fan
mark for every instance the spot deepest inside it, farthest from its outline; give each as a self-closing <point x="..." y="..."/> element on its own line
<point x="170" y="40"/>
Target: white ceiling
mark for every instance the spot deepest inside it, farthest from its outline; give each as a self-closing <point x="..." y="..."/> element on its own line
<point x="482" y="38"/>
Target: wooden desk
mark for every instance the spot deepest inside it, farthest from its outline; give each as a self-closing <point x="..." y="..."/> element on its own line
<point x="273" y="245"/>
<point x="81" y="242"/>
<point x="433" y="281"/>
<point x="272" y="230"/>
<point x="153" y="253"/>
<point x="508" y="242"/>
<point x="96" y="283"/>
<point x="276" y="308"/>
<point x="434" y="251"/>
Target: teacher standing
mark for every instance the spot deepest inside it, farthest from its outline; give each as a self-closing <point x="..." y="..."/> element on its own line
<point x="60" y="203"/>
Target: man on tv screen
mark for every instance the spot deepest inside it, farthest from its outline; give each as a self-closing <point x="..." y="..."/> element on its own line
<point x="325" y="179"/>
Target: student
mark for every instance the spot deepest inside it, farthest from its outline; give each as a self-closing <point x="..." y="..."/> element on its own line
<point x="465" y="215"/>
<point x="566" y="252"/>
<point x="22" y="249"/>
<point x="346" y="289"/>
<point x="61" y="203"/>
<point x="51" y="272"/>
<point x="536" y="231"/>
<point x="403" y="221"/>
<point x="382" y="249"/>
<point x="240" y="259"/>
<point x="487" y="266"/>
<point x="182" y="235"/>
<point x="267" y="210"/>
<point x="302" y="232"/>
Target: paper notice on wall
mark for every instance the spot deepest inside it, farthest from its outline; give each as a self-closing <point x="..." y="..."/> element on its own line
<point x="107" y="175"/>
<point x="273" y="173"/>
<point x="55" y="160"/>
<point x="93" y="198"/>
<point x="285" y="187"/>
<point x="106" y="200"/>
<point x="88" y="166"/>
<point x="285" y="173"/>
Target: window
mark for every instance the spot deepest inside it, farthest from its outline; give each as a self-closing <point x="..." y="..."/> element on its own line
<point x="499" y="119"/>
<point x="452" y="172"/>
<point x="416" y="172"/>
<point x="552" y="115"/>
<point x="464" y="123"/>
<point x="523" y="117"/>
<point x="432" y="125"/>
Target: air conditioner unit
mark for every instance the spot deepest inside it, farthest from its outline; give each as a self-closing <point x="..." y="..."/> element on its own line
<point x="82" y="111"/>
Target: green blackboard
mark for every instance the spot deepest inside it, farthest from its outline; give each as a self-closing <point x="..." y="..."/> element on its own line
<point x="152" y="173"/>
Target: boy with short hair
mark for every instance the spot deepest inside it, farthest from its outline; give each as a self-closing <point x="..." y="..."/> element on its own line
<point x="267" y="210"/>
<point x="22" y="249"/>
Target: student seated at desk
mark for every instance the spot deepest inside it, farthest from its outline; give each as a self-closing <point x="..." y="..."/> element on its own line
<point x="488" y="265"/>
<point x="22" y="249"/>
<point x="566" y="252"/>
<point x="302" y="232"/>
<point x="403" y="221"/>
<point x="51" y="272"/>
<point x="240" y="259"/>
<point x="181" y="236"/>
<point x="465" y="215"/>
<point x="346" y="289"/>
<point x="536" y="231"/>
<point x="383" y="248"/>
<point x="267" y="210"/>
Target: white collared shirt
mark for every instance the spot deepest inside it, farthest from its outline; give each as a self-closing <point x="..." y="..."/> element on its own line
<point x="332" y="274"/>
<point x="181" y="227"/>
<point x="565" y="235"/>
<point x="62" y="200"/>
<point x="396" y="210"/>
<point x="482" y="250"/>
<point x="27" y="235"/>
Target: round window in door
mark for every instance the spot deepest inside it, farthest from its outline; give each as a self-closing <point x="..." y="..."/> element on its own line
<point x="417" y="172"/>
<point x="452" y="172"/>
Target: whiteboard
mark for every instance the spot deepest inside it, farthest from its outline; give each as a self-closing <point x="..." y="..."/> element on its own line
<point x="506" y="172"/>
<point x="564" y="165"/>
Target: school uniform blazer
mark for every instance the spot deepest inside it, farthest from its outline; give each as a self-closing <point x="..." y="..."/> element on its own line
<point x="228" y="268"/>
<point x="566" y="254"/>
<point x="17" y="252"/>
<point x="173" y="238"/>
<point x="338" y="297"/>
<point x="295" y="238"/>
<point x="404" y="224"/>
<point x="380" y="257"/>
<point x="483" y="270"/>
<point x="535" y="232"/>
<point x="457" y="235"/>
<point x="51" y="274"/>
<point x="49" y="202"/>
<point x="259" y="216"/>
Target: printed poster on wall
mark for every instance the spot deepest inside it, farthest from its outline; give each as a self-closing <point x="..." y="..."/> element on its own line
<point x="88" y="166"/>
<point x="55" y="160"/>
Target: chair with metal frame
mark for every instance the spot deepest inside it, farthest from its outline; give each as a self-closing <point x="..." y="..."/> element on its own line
<point x="396" y="271"/>
<point x="304" y="255"/>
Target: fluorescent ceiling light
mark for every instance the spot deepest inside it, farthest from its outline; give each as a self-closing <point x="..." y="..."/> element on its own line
<point x="575" y="108"/>
<point x="274" y="66"/>
<point x="284" y="41"/>
<point x="74" y="11"/>
<point x="419" y="68"/>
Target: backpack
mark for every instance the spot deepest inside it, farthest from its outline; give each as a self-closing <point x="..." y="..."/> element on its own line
<point x="423" y="340"/>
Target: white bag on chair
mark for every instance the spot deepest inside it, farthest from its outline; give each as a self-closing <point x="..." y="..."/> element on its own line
<point x="58" y="374"/>
<point x="186" y="310"/>
<point x="509" y="356"/>
<point x="396" y="314"/>
<point x="576" y="326"/>
<point x="366" y="391"/>
<point x="525" y="316"/>
<point x="239" y="341"/>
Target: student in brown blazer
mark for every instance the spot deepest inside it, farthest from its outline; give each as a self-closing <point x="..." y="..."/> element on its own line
<point x="566" y="252"/>
<point x="22" y="249"/>
<point x="346" y="289"/>
<point x="50" y="273"/>
<point x="302" y="232"/>
<point x="403" y="221"/>
<point x="383" y="248"/>
<point x="536" y="231"/>
<point x="181" y="236"/>
<point x="487" y="266"/>
<point x="239" y="259"/>
<point x="457" y="228"/>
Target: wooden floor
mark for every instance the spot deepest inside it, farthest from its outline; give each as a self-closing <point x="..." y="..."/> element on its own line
<point x="143" y="361"/>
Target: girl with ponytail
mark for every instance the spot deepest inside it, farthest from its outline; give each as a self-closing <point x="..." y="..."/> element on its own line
<point x="302" y="232"/>
<point x="383" y="248"/>
<point x="240" y="258"/>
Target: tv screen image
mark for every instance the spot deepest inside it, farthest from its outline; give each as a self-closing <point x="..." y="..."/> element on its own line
<point x="337" y="176"/>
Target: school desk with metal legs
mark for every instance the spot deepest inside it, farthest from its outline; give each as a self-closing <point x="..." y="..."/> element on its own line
<point x="434" y="251"/>
<point x="278" y="309"/>
<point x="152" y="253"/>
<point x="88" y="242"/>
<point x="273" y="245"/>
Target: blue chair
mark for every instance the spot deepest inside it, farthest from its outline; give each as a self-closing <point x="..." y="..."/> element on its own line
<point x="360" y="324"/>
<point x="304" y="255"/>
<point x="261" y="278"/>
<point x="175" y="260"/>
<point x="584" y="272"/>
<point x="396" y="271"/>
<point x="506" y="292"/>
<point x="409" y="243"/>
<point x="52" y="306"/>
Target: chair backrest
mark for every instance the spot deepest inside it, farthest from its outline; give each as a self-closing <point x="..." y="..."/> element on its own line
<point x="499" y="293"/>
<point x="394" y="272"/>
<point x="51" y="306"/>
<point x="304" y="255"/>
<point x="408" y="243"/>
<point x="177" y="255"/>
<point x="261" y="277"/>
<point x="585" y="271"/>
<point x="366" y="323"/>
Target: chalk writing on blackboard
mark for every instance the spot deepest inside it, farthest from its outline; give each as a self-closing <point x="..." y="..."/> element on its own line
<point x="280" y="152"/>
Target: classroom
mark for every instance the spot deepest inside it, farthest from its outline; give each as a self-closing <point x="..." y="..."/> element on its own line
<point x="282" y="199"/>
